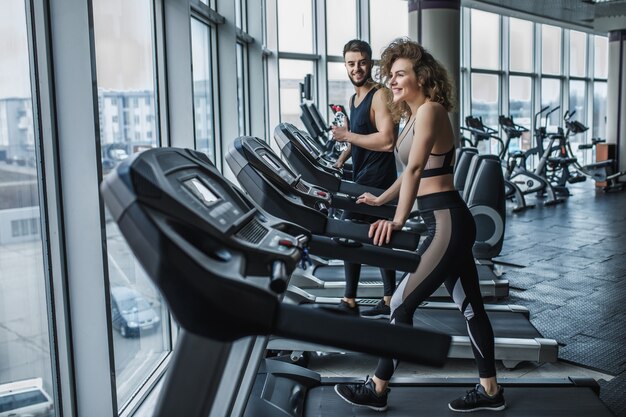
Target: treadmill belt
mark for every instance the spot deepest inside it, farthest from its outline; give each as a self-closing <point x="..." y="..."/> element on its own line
<point x="433" y="401"/>
<point x="452" y="322"/>
<point x="335" y="273"/>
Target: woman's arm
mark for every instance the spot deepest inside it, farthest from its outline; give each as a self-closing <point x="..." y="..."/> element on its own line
<point x="424" y="138"/>
<point x="388" y="195"/>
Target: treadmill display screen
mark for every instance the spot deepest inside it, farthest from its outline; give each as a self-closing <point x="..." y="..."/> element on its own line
<point x="201" y="191"/>
<point x="271" y="162"/>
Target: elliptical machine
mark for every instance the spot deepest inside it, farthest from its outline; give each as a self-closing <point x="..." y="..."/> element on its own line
<point x="516" y="171"/>
<point x="603" y="171"/>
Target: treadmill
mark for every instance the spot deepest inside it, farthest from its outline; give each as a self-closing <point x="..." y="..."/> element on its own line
<point x="273" y="184"/>
<point x="191" y="231"/>
<point x="274" y="187"/>
<point x="299" y="149"/>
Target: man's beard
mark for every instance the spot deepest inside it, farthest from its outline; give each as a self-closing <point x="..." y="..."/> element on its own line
<point x="361" y="83"/>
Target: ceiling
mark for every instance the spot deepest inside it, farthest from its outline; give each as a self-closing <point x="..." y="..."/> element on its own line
<point x="598" y="16"/>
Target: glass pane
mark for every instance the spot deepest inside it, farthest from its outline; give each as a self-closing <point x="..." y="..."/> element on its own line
<point x="485" y="95"/>
<point x="389" y="19"/>
<point x="485" y="40"/>
<point x="550" y="49"/>
<point x="520" y="98"/>
<point x="340" y="24"/>
<point x="24" y="333"/>
<point x="202" y="87"/>
<point x="340" y="89"/>
<point x="292" y="73"/>
<point x="128" y="124"/>
<point x="577" y="53"/>
<point x="601" y="61"/>
<point x="577" y="99"/>
<point x="577" y="104"/>
<point x="295" y="26"/>
<point x="599" y="110"/>
<point x="238" y="14"/>
<point x="551" y="96"/>
<point x="521" y="45"/>
<point x="241" y="90"/>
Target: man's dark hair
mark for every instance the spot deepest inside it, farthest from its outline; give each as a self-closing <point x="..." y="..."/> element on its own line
<point x="357" y="45"/>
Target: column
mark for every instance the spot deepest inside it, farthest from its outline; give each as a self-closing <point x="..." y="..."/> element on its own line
<point x="616" y="96"/>
<point x="436" y="24"/>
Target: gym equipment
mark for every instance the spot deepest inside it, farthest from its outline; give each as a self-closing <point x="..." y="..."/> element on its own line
<point x="189" y="238"/>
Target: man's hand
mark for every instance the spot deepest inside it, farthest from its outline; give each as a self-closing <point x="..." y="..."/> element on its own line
<point x="340" y="133"/>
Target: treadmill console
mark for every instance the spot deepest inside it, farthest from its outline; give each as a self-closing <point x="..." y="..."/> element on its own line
<point x="263" y="158"/>
<point x="186" y="188"/>
<point x="303" y="142"/>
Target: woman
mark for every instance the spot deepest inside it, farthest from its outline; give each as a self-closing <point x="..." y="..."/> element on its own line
<point x="421" y="92"/>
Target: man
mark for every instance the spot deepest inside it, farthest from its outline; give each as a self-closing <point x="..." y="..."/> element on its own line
<point x="371" y="136"/>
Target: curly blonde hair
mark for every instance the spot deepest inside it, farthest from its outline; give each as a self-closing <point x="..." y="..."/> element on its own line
<point x="434" y="78"/>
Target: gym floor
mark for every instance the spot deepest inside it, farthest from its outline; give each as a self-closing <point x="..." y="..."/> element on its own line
<point x="571" y="275"/>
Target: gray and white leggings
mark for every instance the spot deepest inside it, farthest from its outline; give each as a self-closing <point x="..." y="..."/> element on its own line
<point x="446" y="257"/>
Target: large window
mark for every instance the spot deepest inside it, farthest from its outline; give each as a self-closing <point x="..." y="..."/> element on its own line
<point x="485" y="40"/>
<point x="340" y="89"/>
<point x="388" y="20"/>
<point x="551" y="96"/>
<point x="24" y="335"/>
<point x="295" y="26"/>
<point x="292" y="73"/>
<point x="599" y="110"/>
<point x="601" y="58"/>
<point x="485" y="103"/>
<point x="521" y="45"/>
<point x="341" y="18"/>
<point x="550" y="49"/>
<point x="577" y="54"/>
<point x="242" y="89"/>
<point x="520" y="105"/>
<point x="201" y="54"/>
<point x="128" y="114"/>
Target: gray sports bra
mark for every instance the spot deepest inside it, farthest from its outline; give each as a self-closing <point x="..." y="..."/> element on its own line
<point x="437" y="164"/>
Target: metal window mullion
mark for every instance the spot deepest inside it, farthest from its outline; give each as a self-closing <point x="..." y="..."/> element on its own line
<point x="319" y="17"/>
<point x="205" y="13"/>
<point x="256" y="60"/>
<point x="299" y="56"/>
<point x="74" y="81"/>
<point x="52" y="234"/>
<point x="364" y="21"/>
<point x="505" y="53"/>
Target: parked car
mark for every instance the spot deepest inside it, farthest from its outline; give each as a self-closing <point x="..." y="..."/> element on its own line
<point x="25" y="398"/>
<point x="131" y="313"/>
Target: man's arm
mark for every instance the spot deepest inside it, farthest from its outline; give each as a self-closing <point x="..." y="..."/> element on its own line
<point x="382" y="141"/>
<point x="343" y="157"/>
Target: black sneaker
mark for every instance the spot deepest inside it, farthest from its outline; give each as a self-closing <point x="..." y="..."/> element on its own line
<point x="477" y="399"/>
<point x="347" y="309"/>
<point x="363" y="395"/>
<point x="379" y="311"/>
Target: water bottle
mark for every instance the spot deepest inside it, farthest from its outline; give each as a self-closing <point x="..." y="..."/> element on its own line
<point x="339" y="120"/>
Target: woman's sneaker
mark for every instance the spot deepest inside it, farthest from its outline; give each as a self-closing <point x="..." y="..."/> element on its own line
<point x="363" y="395"/>
<point x="346" y="308"/>
<point x="477" y="400"/>
<point x="379" y="311"/>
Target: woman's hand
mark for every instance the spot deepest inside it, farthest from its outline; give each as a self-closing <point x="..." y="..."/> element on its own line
<point x="369" y="199"/>
<point x="380" y="231"/>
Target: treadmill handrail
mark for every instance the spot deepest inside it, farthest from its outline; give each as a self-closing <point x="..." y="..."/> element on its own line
<point x="357" y="334"/>
<point x="363" y="253"/>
